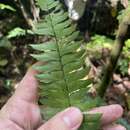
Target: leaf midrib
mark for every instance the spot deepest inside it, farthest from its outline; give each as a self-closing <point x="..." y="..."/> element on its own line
<point x="62" y="68"/>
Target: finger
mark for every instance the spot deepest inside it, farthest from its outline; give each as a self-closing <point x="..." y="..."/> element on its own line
<point x="8" y="125"/>
<point x="27" y="91"/>
<point x="27" y="88"/>
<point x="109" y="113"/>
<point x="114" y="127"/>
<point x="70" y="119"/>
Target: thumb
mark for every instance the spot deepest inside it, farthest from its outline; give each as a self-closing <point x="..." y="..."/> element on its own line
<point x="70" y="119"/>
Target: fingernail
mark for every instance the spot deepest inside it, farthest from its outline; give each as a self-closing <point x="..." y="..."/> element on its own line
<point x="72" y="117"/>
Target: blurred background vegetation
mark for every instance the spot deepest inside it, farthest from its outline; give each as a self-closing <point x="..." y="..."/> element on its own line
<point x="98" y="27"/>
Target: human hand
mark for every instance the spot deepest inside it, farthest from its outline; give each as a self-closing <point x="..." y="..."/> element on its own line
<point x="22" y="112"/>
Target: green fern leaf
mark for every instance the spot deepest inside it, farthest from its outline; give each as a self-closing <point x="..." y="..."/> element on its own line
<point x="62" y="78"/>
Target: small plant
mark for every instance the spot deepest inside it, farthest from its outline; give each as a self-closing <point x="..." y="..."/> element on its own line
<point x="123" y="63"/>
<point x="97" y="44"/>
<point x="3" y="6"/>
<point x="16" y="32"/>
<point x="63" y="81"/>
<point x="126" y="49"/>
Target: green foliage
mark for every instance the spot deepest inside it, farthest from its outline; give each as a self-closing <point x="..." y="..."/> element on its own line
<point x="126" y="49"/>
<point x="124" y="123"/>
<point x="3" y="6"/>
<point x="4" y="45"/>
<point x="16" y="32"/>
<point x="123" y="65"/>
<point x="124" y="61"/>
<point x="97" y="43"/>
<point x="62" y="77"/>
<point x="123" y="13"/>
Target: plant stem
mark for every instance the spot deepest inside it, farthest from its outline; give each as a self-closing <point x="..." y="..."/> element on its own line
<point x="34" y="10"/>
<point x="115" y="54"/>
<point x="25" y="14"/>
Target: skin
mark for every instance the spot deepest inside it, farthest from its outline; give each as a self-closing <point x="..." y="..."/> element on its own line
<point x="22" y="112"/>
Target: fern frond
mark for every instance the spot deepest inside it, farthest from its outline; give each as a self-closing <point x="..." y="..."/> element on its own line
<point x="62" y="78"/>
